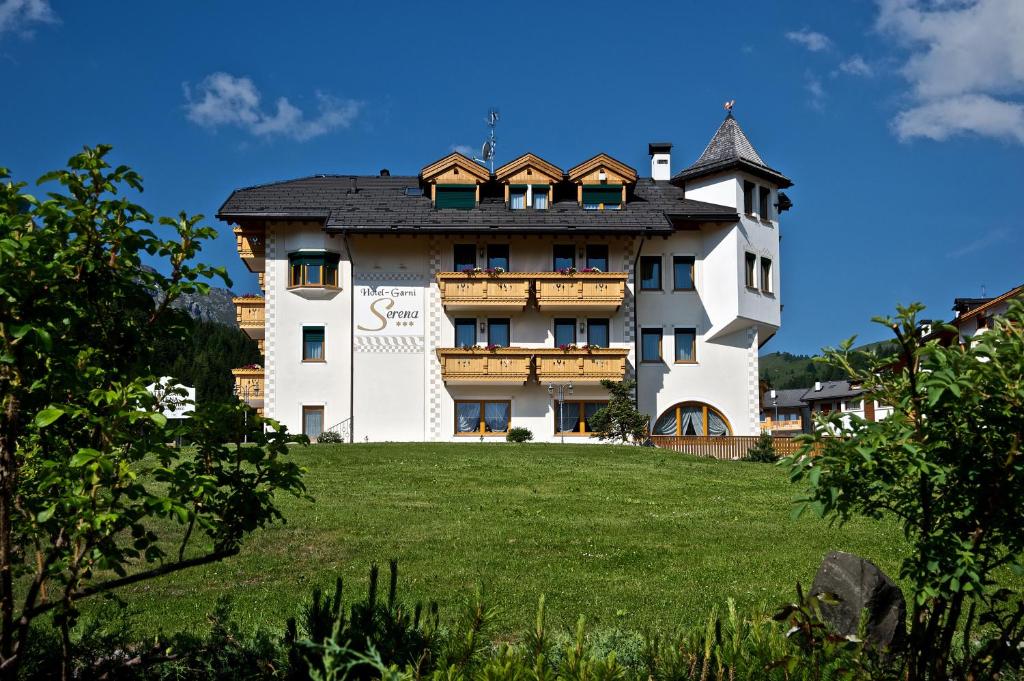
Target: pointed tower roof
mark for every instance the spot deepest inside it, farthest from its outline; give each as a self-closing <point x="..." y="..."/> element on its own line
<point x="730" y="148"/>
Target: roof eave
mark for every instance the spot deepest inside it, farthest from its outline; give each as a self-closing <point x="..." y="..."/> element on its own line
<point x="765" y="172"/>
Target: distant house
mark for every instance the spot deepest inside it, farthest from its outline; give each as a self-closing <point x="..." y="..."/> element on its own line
<point x="974" y="315"/>
<point x="796" y="407"/>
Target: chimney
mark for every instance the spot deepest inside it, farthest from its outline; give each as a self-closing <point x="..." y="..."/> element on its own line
<point x="384" y="172"/>
<point x="817" y="386"/>
<point x="354" y="187"/>
<point x="661" y="160"/>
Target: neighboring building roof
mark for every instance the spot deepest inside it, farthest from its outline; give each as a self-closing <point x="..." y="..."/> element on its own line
<point x="986" y="305"/>
<point x="789" y="398"/>
<point x="382" y="204"/>
<point x="831" y="390"/>
<point x="961" y="305"/>
<point x="729" y="148"/>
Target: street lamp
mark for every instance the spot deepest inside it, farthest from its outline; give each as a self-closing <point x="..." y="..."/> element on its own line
<point x="561" y="404"/>
<point x="246" y="392"/>
<point x="775" y="403"/>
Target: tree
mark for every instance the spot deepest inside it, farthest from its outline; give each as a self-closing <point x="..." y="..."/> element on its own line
<point x="86" y="477"/>
<point x="620" y="420"/>
<point x="947" y="464"/>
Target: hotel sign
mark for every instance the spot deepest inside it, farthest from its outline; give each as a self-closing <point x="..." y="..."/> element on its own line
<point x="385" y="309"/>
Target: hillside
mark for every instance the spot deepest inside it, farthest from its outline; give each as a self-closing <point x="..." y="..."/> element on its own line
<point x="784" y="370"/>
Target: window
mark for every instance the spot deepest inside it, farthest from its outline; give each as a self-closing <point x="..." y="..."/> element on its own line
<point x="748" y="198"/>
<point x="650" y="345"/>
<point x="597" y="257"/>
<point x="497" y="256"/>
<point x="313" y="344"/>
<point x="564" y="256"/>
<point x="751" y="266"/>
<point x="650" y="273"/>
<point x="853" y="405"/>
<point x="686" y="346"/>
<point x="517" y="197"/>
<point x="602" y="196"/>
<point x="540" y="196"/>
<point x="691" y="418"/>
<point x="464" y="256"/>
<point x="313" y="269"/>
<point x="499" y="332"/>
<point x="765" y="195"/>
<point x="565" y="332"/>
<point x="479" y="417"/>
<point x="459" y="196"/>
<point x="465" y="333"/>
<point x="312" y="421"/>
<point x="597" y="333"/>
<point x="573" y="418"/>
<point x="682" y="272"/>
<point x="766" y="275"/>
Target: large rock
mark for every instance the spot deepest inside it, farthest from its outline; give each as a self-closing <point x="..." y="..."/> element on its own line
<point x="861" y="587"/>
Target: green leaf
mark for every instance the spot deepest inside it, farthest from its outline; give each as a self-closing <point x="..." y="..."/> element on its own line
<point x="48" y="416"/>
<point x="46" y="513"/>
<point x="158" y="419"/>
<point x="83" y="457"/>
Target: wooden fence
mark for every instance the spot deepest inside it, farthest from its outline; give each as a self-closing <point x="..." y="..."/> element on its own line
<point x="729" y="448"/>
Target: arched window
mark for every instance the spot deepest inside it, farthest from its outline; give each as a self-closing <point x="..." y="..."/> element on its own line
<point x="692" y="418"/>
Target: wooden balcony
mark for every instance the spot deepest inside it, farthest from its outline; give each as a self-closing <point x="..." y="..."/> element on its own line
<point x="504" y="366"/>
<point x="580" y="366"/>
<point x="249" y="385"/>
<point x="250" y="244"/>
<point x="582" y="292"/>
<point x="507" y="292"/>
<point x="249" y="315"/>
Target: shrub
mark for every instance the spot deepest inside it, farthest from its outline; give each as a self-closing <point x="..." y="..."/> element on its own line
<point x="329" y="437"/>
<point x="763" y="450"/>
<point x="519" y="434"/>
<point x="620" y="420"/>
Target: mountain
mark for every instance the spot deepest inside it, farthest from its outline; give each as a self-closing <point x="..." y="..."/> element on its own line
<point x="215" y="306"/>
<point x="783" y="370"/>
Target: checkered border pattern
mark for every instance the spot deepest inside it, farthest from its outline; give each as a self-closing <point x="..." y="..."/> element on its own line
<point x="390" y="276"/>
<point x="629" y="314"/>
<point x="389" y="344"/>
<point x="753" y="397"/>
<point x="270" y="325"/>
<point x="435" y="312"/>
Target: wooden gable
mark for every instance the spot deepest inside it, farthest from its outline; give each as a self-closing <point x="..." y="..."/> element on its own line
<point x="455" y="169"/>
<point x="590" y="170"/>
<point x="528" y="169"/>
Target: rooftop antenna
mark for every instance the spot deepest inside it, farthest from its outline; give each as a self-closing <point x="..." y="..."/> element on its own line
<point x="984" y="291"/>
<point x="488" y="149"/>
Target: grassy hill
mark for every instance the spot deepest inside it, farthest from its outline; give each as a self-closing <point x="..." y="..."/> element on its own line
<point x="783" y="370"/>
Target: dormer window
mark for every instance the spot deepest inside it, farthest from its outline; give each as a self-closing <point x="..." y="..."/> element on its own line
<point x="528" y="181"/>
<point x="517" y="197"/>
<point x="455" y="182"/>
<point x="459" y="196"/>
<point x="522" y="196"/>
<point x="602" y="183"/>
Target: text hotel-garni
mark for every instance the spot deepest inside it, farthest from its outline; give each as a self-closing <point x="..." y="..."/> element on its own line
<point x="462" y="302"/>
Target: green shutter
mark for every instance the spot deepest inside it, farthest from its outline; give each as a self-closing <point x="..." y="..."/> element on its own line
<point x="313" y="334"/>
<point x="608" y="194"/>
<point x="459" y="196"/>
<point x="311" y="259"/>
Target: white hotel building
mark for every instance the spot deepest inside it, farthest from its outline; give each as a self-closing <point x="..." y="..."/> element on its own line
<point x="459" y="302"/>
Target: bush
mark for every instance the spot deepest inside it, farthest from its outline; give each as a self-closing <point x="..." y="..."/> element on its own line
<point x="329" y="437"/>
<point x="763" y="450"/>
<point x="519" y="435"/>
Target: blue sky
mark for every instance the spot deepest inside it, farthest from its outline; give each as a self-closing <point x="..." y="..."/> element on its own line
<point x="901" y="122"/>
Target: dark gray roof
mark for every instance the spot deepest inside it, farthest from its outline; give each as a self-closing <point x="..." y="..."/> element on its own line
<point x="383" y="204"/>
<point x="730" y="148"/>
<point x="831" y="390"/>
<point x="784" y="398"/>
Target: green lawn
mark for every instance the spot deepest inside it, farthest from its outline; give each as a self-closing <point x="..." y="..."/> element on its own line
<point x="638" y="537"/>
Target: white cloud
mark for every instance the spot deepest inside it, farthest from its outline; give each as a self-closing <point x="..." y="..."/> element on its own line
<point x="18" y="15"/>
<point x="816" y="91"/>
<point x="812" y="40"/>
<point x="856" y="66"/>
<point x="222" y="99"/>
<point x="965" y="68"/>
<point x="993" y="237"/>
<point x="464" y="149"/>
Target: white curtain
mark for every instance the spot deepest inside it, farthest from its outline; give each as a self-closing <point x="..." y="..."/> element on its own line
<point x="569" y="415"/>
<point x="540" y="199"/>
<point x="716" y="425"/>
<point x="691" y="421"/>
<point x="314" y="423"/>
<point x="469" y="417"/>
<point x="496" y="416"/>
<point x="517" y="200"/>
<point x="666" y="425"/>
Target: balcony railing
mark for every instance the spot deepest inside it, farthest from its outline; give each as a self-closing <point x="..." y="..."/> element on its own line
<point x="249" y="385"/>
<point x="509" y="292"/>
<point x="580" y="366"/>
<point x="503" y="366"/>
<point x="582" y="291"/>
<point x="249" y="313"/>
<point x="250" y="244"/>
